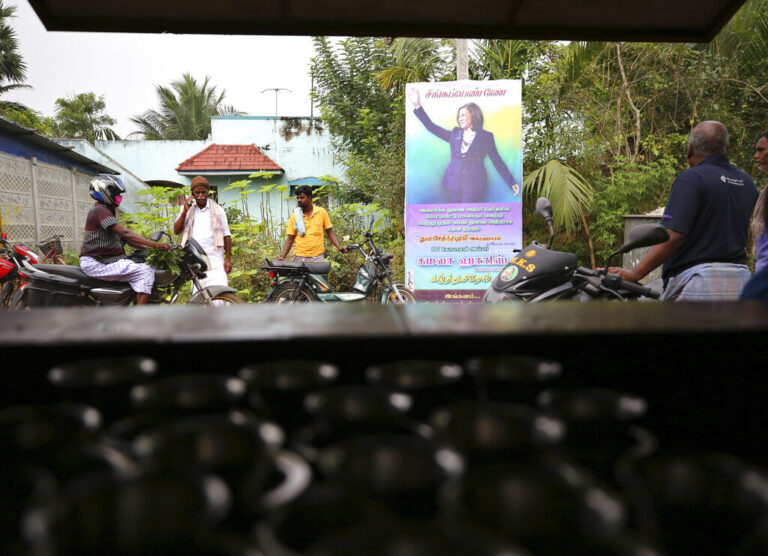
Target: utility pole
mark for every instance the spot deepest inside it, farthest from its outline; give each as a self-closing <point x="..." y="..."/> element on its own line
<point x="277" y="90"/>
<point x="462" y="60"/>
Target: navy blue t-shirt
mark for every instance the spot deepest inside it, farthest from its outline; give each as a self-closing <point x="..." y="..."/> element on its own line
<point x="711" y="205"/>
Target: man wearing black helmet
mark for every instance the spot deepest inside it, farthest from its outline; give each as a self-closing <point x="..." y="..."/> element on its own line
<point x="102" y="255"/>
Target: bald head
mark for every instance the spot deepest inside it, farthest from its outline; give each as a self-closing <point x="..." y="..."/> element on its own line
<point x="708" y="139"/>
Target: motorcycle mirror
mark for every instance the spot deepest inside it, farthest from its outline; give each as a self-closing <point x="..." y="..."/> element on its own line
<point x="157" y="235"/>
<point x="644" y="236"/>
<point x="544" y="208"/>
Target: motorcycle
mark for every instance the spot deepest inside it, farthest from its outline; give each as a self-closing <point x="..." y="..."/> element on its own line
<point x="539" y="273"/>
<point x="306" y="282"/>
<point x="53" y="285"/>
<point x="12" y="279"/>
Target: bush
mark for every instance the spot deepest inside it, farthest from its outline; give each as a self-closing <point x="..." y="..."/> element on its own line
<point x="72" y="258"/>
<point x="353" y="220"/>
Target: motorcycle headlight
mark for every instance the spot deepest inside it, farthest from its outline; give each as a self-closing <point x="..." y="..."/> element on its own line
<point x="493" y="296"/>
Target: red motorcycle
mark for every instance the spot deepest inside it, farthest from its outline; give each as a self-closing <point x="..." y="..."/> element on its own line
<point x="12" y="279"/>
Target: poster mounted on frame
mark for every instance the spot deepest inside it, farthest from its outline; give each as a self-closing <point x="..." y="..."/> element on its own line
<point x="463" y="186"/>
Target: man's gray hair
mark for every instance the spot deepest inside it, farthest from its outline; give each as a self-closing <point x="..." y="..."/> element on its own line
<point x="708" y="139"/>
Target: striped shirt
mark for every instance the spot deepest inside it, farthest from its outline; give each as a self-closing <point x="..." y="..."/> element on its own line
<point x="99" y="242"/>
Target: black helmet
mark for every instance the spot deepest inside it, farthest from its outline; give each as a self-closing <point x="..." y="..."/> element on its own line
<point x="108" y="189"/>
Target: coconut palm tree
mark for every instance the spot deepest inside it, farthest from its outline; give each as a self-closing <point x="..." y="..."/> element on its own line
<point x="503" y="59"/>
<point x="417" y="59"/>
<point x="185" y="110"/>
<point x="745" y="36"/>
<point x="570" y="194"/>
<point x="13" y="70"/>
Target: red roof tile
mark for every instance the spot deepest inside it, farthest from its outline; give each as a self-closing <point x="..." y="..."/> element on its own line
<point x="219" y="158"/>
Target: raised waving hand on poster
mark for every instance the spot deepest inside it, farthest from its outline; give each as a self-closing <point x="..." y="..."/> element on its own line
<point x="465" y="178"/>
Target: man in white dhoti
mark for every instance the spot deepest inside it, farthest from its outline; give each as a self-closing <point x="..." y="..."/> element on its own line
<point x="202" y="219"/>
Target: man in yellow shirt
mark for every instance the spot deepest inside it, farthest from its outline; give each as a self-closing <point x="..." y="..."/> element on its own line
<point x="307" y="236"/>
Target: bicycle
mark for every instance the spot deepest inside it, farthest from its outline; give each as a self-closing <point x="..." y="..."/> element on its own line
<point x="52" y="249"/>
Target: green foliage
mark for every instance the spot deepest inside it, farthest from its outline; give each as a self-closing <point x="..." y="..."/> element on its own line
<point x="253" y="239"/>
<point x="620" y="114"/>
<point x="569" y="192"/>
<point x="504" y="59"/>
<point x="605" y="124"/>
<point x="161" y="209"/>
<point x="185" y="110"/>
<point x="13" y="70"/>
<point x="83" y="116"/>
<point x="353" y="219"/>
<point x="632" y="189"/>
<point x="165" y="260"/>
<point x="72" y="258"/>
<point x="380" y="175"/>
<point x="356" y="109"/>
<point x="28" y="118"/>
<point x="417" y="59"/>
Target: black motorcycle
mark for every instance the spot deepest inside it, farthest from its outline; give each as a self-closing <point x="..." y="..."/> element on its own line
<point x="306" y="281"/>
<point x="539" y="273"/>
<point x="62" y="286"/>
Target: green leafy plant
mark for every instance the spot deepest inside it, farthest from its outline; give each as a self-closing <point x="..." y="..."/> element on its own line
<point x="72" y="258"/>
<point x="166" y="260"/>
<point x="161" y="208"/>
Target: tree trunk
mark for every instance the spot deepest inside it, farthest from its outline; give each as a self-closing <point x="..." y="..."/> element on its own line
<point x="636" y="147"/>
<point x="462" y="65"/>
<point x="589" y="237"/>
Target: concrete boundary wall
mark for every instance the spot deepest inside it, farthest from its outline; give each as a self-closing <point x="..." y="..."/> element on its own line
<point x="39" y="200"/>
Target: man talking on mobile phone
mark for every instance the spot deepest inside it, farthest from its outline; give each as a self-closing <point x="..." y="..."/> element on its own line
<point x="203" y="220"/>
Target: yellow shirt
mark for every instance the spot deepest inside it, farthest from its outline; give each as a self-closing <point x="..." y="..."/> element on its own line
<point x="312" y="243"/>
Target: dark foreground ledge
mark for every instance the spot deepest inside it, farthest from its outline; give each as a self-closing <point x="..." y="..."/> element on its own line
<point x="701" y="366"/>
<point x="265" y="323"/>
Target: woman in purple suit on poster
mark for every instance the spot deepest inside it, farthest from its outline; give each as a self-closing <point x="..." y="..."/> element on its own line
<point x="465" y="178"/>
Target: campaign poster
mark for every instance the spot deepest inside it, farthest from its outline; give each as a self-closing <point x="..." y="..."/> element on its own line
<point x="463" y="186"/>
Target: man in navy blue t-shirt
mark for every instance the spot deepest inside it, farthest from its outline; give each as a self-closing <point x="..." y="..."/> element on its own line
<point x="707" y="216"/>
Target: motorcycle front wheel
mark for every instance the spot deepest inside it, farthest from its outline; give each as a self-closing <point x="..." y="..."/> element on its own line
<point x="20" y="300"/>
<point x="226" y="298"/>
<point x="391" y="297"/>
<point x="285" y="294"/>
<point x="6" y="294"/>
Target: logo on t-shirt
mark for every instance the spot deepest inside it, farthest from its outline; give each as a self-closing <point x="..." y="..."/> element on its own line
<point x="731" y="181"/>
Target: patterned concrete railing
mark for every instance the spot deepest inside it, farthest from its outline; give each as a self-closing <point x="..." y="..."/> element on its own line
<point x="39" y="200"/>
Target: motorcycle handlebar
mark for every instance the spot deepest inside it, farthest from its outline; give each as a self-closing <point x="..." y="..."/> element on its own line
<point x="616" y="282"/>
<point x="638" y="289"/>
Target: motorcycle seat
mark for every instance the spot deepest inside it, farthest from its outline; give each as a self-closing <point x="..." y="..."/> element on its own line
<point x="313" y="268"/>
<point x="76" y="273"/>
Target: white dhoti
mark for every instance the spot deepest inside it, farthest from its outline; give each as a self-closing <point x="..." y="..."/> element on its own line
<point x="215" y="275"/>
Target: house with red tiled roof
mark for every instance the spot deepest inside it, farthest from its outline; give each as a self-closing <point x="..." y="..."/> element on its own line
<point x="263" y="157"/>
<point x="222" y="160"/>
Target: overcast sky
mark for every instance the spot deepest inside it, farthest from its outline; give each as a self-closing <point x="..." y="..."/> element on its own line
<point x="126" y="67"/>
